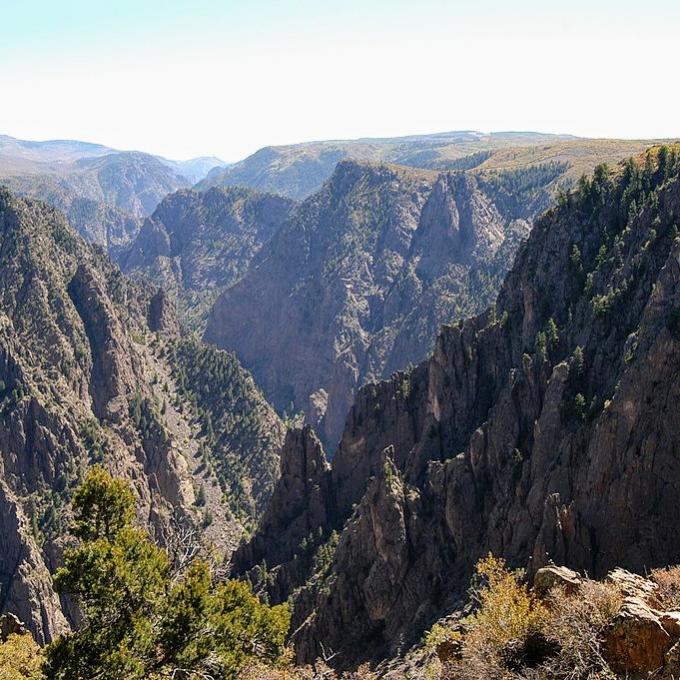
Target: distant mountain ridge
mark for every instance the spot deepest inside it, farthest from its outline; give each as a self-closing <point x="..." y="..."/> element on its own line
<point x="104" y="192"/>
<point x="27" y="156"/>
<point x="298" y="170"/>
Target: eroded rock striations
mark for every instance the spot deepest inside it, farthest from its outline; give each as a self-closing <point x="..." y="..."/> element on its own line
<point x="356" y="284"/>
<point x="541" y="430"/>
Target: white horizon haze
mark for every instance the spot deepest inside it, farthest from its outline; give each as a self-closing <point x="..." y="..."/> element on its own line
<point x="224" y="79"/>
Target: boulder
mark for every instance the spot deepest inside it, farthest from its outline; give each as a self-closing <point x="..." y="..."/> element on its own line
<point x="11" y="625"/>
<point x="633" y="585"/>
<point x="636" y="641"/>
<point x="553" y="576"/>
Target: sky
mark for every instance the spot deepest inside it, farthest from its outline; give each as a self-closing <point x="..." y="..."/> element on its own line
<point x="184" y="79"/>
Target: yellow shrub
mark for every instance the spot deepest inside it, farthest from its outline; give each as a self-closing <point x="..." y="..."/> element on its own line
<point x="508" y="611"/>
<point x="20" y="658"/>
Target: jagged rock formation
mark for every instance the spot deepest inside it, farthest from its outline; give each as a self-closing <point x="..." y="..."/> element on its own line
<point x="197" y="244"/>
<point x="87" y="368"/>
<point x="300" y="510"/>
<point x="356" y="284"/>
<point x="161" y="316"/>
<point x="540" y="430"/>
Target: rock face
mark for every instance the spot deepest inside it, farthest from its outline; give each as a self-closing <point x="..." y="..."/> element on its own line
<point x="540" y="430"/>
<point x="356" y="284"/>
<point x="161" y="315"/>
<point x="86" y="378"/>
<point x="112" y="375"/>
<point x="197" y="244"/>
<point x="300" y="510"/>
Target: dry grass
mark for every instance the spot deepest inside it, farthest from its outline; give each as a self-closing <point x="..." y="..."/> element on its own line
<point x="575" y="625"/>
<point x="668" y="580"/>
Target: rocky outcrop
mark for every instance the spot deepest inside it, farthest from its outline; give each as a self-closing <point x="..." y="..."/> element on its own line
<point x="112" y="375"/>
<point x="356" y="284"/>
<point x="161" y="314"/>
<point x="26" y="582"/>
<point x="196" y="244"/>
<point x="541" y="430"/>
<point x="11" y="625"/>
<point x="300" y="510"/>
<point x="552" y="576"/>
<point x="638" y="640"/>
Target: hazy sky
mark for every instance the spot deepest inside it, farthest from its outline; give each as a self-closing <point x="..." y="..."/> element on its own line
<point x="205" y="77"/>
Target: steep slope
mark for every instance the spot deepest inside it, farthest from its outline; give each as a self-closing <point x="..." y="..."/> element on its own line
<point x="356" y="284"/>
<point x="88" y="364"/>
<point x="541" y="430"/>
<point x="299" y="170"/>
<point x="197" y="244"/>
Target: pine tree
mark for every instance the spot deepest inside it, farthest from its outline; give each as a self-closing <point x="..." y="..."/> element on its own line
<point x="141" y="620"/>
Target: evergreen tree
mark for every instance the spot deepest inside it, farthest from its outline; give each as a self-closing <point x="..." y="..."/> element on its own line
<point x="140" y="619"/>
